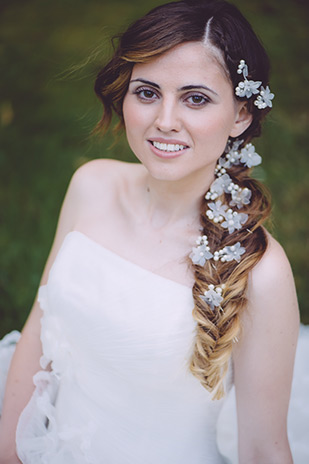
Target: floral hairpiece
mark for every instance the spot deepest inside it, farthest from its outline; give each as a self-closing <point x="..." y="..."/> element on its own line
<point x="202" y="253"/>
<point x="213" y="296"/>
<point x="224" y="215"/>
<point x="234" y="156"/>
<point x="220" y="213"/>
<point x="247" y="88"/>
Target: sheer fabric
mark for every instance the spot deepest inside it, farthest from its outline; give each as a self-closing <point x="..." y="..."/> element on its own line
<point x="119" y="339"/>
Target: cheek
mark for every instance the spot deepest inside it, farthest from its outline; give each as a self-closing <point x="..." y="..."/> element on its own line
<point x="211" y="133"/>
<point x="134" y="124"/>
<point x="129" y="115"/>
<point x="135" y="115"/>
<point x="215" y="125"/>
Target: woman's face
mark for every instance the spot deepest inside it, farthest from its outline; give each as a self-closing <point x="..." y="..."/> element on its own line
<point x="179" y="112"/>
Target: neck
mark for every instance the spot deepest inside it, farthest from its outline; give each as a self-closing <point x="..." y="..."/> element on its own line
<point x="176" y="202"/>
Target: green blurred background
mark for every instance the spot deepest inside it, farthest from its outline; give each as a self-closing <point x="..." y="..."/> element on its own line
<point x="50" y="51"/>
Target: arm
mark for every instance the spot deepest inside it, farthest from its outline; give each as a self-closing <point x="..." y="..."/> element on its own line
<point x="264" y="360"/>
<point x="25" y="362"/>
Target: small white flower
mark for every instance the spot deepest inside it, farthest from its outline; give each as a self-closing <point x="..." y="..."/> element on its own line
<point x="213" y="296"/>
<point x="223" y="163"/>
<point x="232" y="155"/>
<point x="236" y="145"/>
<point x="241" y="197"/>
<point x="247" y="88"/>
<point x="264" y="99"/>
<point x="216" y="211"/>
<point x="249" y="157"/>
<point x="233" y="252"/>
<point x="202" y="252"/>
<point x="199" y="255"/>
<point x="218" y="186"/>
<point x="234" y="220"/>
<point x="230" y="159"/>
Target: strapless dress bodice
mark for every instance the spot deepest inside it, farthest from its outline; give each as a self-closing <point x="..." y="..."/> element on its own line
<point x="119" y="339"/>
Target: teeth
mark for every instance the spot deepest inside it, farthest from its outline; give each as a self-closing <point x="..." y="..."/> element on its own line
<point x="168" y="147"/>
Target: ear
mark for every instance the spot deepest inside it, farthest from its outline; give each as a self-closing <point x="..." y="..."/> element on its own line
<point x="243" y="120"/>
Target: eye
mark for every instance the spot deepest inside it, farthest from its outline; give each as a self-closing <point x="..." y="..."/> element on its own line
<point x="145" y="94"/>
<point x="197" y="100"/>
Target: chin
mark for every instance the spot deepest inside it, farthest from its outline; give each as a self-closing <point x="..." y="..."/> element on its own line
<point x="170" y="173"/>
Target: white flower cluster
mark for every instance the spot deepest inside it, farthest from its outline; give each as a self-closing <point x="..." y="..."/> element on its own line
<point x="201" y="253"/>
<point x="247" y="155"/>
<point x="225" y="184"/>
<point x="233" y="220"/>
<point x="229" y="253"/>
<point x="240" y="197"/>
<point x="247" y="88"/>
<point x="220" y="213"/>
<point x="216" y="212"/>
<point x="213" y="296"/>
<point x="264" y="99"/>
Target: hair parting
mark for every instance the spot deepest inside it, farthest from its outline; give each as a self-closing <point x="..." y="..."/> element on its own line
<point x="207" y="31"/>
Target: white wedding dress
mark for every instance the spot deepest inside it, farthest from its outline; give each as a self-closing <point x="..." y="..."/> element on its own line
<point x="119" y="339"/>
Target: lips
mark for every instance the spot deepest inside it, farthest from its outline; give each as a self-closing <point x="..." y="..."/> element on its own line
<point x="168" y="146"/>
<point x="168" y="150"/>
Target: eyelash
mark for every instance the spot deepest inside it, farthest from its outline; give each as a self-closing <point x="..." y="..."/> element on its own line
<point x="203" y="103"/>
<point x="140" y="90"/>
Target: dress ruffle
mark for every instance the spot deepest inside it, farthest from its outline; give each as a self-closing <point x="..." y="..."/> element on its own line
<point x="47" y="436"/>
<point x="7" y="348"/>
<point x="41" y="442"/>
<point x="115" y="386"/>
<point x="39" y="439"/>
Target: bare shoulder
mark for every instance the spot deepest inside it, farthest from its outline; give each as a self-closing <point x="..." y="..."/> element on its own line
<point x="273" y="267"/>
<point x="271" y="288"/>
<point x="91" y="198"/>
<point x="103" y="173"/>
<point x="102" y="180"/>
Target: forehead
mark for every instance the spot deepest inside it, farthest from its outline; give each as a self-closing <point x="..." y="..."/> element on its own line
<point x="186" y="63"/>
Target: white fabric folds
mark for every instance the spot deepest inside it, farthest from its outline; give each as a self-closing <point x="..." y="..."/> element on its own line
<point x="117" y="340"/>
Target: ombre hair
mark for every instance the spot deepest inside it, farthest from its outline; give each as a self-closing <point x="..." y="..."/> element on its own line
<point x="220" y="25"/>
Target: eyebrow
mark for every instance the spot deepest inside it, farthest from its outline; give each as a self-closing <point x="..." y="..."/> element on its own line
<point x="186" y="87"/>
<point x="146" y="82"/>
<point x="195" y="87"/>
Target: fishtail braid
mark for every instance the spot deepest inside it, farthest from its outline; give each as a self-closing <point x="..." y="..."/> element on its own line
<point x="218" y="328"/>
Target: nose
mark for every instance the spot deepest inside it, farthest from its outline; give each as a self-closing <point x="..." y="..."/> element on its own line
<point x="168" y="118"/>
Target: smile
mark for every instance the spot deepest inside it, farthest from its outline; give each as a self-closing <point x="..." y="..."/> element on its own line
<point x="168" y="147"/>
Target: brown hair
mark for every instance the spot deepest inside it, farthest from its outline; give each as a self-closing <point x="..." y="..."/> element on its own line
<point x="158" y="31"/>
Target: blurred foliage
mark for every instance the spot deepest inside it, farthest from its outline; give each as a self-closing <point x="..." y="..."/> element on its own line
<point x="50" y="51"/>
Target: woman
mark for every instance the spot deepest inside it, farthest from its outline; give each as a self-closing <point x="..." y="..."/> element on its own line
<point x="120" y="370"/>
